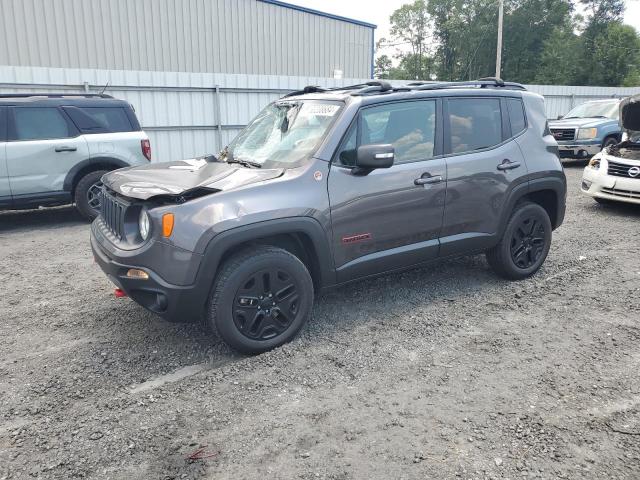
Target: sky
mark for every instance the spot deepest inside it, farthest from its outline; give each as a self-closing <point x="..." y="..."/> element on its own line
<point x="379" y="11"/>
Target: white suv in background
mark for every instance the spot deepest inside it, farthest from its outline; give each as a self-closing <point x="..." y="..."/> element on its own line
<point x="614" y="173"/>
<point x="54" y="148"/>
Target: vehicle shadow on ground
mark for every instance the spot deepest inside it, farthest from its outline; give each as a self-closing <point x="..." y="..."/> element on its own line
<point x="336" y="312"/>
<point x="43" y="218"/>
<point x="574" y="164"/>
<point x="617" y="209"/>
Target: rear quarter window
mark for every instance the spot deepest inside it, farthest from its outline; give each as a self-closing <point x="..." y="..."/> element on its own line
<point x="109" y="119"/>
<point x="516" y="116"/>
<point x="3" y="124"/>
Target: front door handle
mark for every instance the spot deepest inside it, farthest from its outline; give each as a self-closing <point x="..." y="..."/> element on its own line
<point x="508" y="165"/>
<point x="66" y="149"/>
<point x="427" y="179"/>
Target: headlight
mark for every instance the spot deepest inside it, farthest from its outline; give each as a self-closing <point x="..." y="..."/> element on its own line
<point x="587" y="133"/>
<point x="594" y="163"/>
<point x="144" y="224"/>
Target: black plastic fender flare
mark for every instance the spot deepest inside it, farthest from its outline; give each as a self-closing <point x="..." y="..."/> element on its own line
<point x="556" y="183"/>
<point x="213" y="255"/>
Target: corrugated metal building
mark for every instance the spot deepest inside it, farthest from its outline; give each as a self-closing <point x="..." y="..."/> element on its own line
<point x="265" y="37"/>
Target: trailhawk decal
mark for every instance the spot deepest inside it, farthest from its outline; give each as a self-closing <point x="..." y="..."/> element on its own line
<point x="361" y="237"/>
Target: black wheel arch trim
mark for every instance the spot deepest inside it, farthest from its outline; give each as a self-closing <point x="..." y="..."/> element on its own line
<point x="555" y="182"/>
<point x="224" y="241"/>
<point x="90" y="164"/>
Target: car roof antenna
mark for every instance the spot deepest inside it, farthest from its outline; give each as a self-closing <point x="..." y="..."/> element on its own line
<point x="105" y="87"/>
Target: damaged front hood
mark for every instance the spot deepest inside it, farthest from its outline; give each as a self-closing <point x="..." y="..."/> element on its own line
<point x="630" y="116"/>
<point x="180" y="177"/>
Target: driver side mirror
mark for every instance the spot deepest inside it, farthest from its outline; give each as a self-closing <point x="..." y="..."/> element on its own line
<point x="370" y="157"/>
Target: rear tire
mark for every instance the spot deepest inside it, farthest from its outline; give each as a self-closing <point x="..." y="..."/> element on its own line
<point x="524" y="245"/>
<point x="261" y="299"/>
<point x="86" y="195"/>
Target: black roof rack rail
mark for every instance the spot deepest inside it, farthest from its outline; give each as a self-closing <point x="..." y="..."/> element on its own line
<point x="307" y="89"/>
<point x="374" y="86"/>
<point x="381" y="86"/>
<point x="54" y="95"/>
<point x="487" y="82"/>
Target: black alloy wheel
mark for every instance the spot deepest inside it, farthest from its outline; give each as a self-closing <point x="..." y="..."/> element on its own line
<point x="93" y="196"/>
<point x="527" y="242"/>
<point x="261" y="298"/>
<point x="266" y="304"/>
<point x="87" y="194"/>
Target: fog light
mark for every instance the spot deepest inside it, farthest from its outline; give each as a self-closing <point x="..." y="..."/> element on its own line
<point x="586" y="185"/>
<point x="137" y="273"/>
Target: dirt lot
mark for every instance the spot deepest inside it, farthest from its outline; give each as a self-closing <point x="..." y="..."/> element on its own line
<point x="443" y="372"/>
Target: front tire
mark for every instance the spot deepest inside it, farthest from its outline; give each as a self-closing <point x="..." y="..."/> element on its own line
<point x="261" y="299"/>
<point x="86" y="195"/>
<point x="609" y="141"/>
<point x="524" y="245"/>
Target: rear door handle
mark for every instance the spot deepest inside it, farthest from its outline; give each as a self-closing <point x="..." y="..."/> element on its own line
<point x="66" y="149"/>
<point x="508" y="165"/>
<point x="427" y="179"/>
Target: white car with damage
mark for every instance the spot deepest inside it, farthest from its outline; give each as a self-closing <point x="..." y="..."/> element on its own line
<point x="614" y="173"/>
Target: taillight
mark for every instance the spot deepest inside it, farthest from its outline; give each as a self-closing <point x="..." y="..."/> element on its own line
<point x="146" y="148"/>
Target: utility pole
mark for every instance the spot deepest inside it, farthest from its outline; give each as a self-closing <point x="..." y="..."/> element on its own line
<point x="499" y="46"/>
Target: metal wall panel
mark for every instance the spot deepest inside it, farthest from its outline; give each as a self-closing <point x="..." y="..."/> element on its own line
<point x="179" y="111"/>
<point x="231" y="36"/>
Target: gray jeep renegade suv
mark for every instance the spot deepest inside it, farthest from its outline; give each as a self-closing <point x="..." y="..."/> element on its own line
<point x="325" y="187"/>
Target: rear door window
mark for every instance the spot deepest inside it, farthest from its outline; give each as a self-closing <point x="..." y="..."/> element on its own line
<point x="474" y="124"/>
<point x="409" y="126"/>
<point x="40" y="123"/>
<point x="112" y="119"/>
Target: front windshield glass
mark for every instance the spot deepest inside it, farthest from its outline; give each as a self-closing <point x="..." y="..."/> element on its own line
<point x="284" y="134"/>
<point x="594" y="110"/>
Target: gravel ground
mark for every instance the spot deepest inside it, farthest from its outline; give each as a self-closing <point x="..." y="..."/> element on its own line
<point x="441" y="372"/>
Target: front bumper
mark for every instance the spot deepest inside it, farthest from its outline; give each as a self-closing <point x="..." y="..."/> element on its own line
<point x="176" y="303"/>
<point x="575" y="149"/>
<point x="598" y="184"/>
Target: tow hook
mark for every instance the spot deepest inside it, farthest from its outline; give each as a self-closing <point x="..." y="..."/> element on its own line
<point x="119" y="293"/>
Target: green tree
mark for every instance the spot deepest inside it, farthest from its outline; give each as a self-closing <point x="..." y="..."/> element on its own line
<point x="544" y="41"/>
<point x="615" y="55"/>
<point x="600" y="14"/>
<point x="557" y="65"/>
<point x="528" y="26"/>
<point x="382" y="67"/>
<point x="410" y="25"/>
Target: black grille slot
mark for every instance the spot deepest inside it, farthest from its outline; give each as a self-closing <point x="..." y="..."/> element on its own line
<point x="620" y="170"/>
<point x="622" y="193"/>
<point x="563" y="133"/>
<point x="112" y="213"/>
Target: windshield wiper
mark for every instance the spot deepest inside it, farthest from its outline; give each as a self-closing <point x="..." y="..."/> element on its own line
<point x="245" y="163"/>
